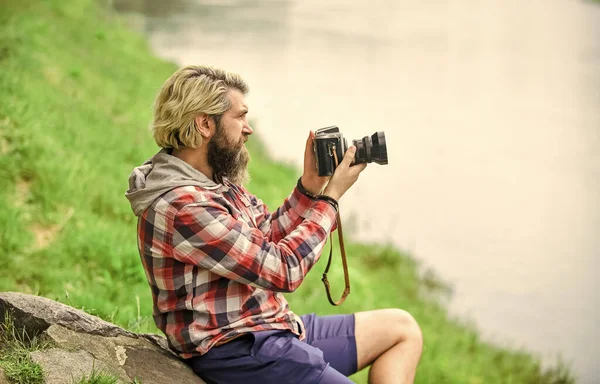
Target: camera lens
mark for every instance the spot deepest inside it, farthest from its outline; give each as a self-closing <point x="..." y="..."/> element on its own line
<point x="371" y="149"/>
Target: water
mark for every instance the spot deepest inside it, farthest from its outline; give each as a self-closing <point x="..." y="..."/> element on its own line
<point x="492" y="115"/>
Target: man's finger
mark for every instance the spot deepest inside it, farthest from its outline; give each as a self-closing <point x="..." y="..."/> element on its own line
<point x="358" y="168"/>
<point x="349" y="156"/>
<point x="309" y="141"/>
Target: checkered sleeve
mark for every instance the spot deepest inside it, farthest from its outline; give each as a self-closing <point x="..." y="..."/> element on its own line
<point x="206" y="234"/>
<point x="286" y="218"/>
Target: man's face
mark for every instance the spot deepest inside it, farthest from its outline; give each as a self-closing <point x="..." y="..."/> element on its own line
<point x="227" y="155"/>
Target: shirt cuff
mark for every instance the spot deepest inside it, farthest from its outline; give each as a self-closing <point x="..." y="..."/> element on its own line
<point x="300" y="203"/>
<point x="315" y="210"/>
<point x="323" y="214"/>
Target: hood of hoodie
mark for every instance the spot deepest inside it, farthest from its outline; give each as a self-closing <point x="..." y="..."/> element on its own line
<point x="158" y="175"/>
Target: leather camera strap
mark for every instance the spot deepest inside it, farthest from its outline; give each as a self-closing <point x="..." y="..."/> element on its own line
<point x="343" y="252"/>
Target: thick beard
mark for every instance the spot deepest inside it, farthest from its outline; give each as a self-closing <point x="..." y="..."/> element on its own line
<point x="227" y="159"/>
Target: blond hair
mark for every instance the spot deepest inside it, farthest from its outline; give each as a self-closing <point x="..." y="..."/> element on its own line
<point x="188" y="92"/>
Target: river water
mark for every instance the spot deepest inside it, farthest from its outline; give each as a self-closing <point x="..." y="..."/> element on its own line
<point x="492" y="115"/>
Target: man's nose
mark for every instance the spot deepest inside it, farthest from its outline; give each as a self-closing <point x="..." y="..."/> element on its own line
<point x="247" y="129"/>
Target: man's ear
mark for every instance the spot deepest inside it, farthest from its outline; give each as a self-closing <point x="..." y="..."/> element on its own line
<point x="205" y="125"/>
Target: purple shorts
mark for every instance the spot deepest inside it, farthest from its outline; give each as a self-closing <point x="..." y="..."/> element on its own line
<point x="326" y="355"/>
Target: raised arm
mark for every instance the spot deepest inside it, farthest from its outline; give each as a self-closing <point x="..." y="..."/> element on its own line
<point x="285" y="219"/>
<point x="205" y="234"/>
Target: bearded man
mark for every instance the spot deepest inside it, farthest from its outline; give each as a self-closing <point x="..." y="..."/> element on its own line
<point x="217" y="261"/>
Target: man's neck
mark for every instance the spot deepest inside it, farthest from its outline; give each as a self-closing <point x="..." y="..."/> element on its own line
<point x="196" y="158"/>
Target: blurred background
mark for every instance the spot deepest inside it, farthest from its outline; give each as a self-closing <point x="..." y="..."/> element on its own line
<point x="492" y="115"/>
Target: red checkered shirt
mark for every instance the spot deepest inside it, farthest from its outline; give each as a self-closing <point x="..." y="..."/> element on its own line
<point x="217" y="262"/>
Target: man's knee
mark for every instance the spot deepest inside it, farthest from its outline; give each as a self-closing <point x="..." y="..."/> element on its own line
<point x="380" y="330"/>
<point x="407" y="327"/>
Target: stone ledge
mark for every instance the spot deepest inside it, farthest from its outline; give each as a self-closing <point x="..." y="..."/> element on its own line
<point x="82" y="342"/>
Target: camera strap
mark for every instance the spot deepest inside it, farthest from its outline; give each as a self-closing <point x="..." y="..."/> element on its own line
<point x="343" y="252"/>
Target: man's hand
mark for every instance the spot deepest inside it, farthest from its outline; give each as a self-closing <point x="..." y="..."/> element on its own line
<point x="311" y="181"/>
<point x="345" y="175"/>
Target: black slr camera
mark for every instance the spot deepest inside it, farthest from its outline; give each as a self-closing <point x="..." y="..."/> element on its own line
<point x="329" y="141"/>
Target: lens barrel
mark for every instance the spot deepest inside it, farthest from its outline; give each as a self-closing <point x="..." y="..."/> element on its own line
<point x="371" y="149"/>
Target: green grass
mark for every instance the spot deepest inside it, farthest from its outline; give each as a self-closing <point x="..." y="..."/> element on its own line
<point x="76" y="89"/>
<point x="100" y="377"/>
<point x="15" y="346"/>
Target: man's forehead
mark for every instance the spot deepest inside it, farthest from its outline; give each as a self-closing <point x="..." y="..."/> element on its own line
<point x="238" y="100"/>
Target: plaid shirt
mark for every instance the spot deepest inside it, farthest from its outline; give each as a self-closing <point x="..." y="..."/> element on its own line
<point x="217" y="262"/>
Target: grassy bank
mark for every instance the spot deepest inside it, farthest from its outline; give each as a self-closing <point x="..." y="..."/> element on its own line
<point x="15" y="347"/>
<point x="75" y="94"/>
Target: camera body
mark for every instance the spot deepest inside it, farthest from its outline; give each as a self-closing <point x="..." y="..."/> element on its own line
<point x="329" y="143"/>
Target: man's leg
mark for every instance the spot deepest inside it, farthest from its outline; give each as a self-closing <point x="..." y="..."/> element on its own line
<point x="389" y="340"/>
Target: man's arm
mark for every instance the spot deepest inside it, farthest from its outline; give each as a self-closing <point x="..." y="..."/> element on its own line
<point x="205" y="234"/>
<point x="285" y="219"/>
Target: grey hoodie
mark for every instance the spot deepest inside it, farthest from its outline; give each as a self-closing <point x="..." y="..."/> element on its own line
<point x="161" y="173"/>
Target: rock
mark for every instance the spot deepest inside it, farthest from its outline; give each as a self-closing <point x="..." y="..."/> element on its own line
<point x="35" y="314"/>
<point x="130" y="357"/>
<point x="3" y="378"/>
<point x="158" y="340"/>
<point x="81" y="343"/>
<point x="61" y="366"/>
